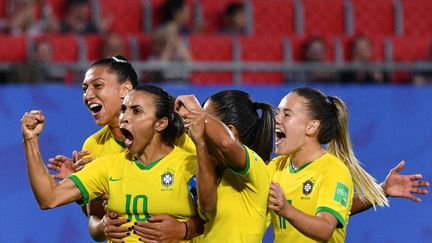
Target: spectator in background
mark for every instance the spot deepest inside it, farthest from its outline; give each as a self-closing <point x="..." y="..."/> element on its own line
<point x="30" y="17"/>
<point x="167" y="45"/>
<point x="113" y="45"/>
<point x="362" y="53"/>
<point x="77" y="19"/>
<point x="166" y="42"/>
<point x="314" y="52"/>
<point x="234" y="19"/>
<point x="38" y="68"/>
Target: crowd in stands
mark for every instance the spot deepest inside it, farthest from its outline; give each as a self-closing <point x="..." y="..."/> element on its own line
<point x="174" y="21"/>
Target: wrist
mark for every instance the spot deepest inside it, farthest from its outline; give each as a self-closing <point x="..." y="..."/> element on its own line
<point x="186" y="235"/>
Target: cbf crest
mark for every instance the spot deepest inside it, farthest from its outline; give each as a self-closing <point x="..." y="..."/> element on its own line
<point x="307" y="187"/>
<point x="167" y="179"/>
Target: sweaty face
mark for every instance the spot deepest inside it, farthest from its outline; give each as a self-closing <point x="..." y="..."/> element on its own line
<point x="291" y="124"/>
<point x="102" y="95"/>
<point x="137" y="120"/>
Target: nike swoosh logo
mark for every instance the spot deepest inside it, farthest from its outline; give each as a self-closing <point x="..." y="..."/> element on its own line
<point x="112" y="179"/>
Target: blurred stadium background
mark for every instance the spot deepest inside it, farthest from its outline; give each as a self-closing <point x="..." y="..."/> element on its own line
<point x="390" y="118"/>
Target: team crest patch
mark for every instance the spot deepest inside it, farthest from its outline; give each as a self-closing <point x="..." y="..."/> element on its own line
<point x="307" y="187"/>
<point x="341" y="194"/>
<point x="167" y="179"/>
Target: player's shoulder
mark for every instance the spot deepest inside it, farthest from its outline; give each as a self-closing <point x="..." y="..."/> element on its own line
<point x="330" y="163"/>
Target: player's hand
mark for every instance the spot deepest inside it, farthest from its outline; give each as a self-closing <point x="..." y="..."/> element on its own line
<point x="66" y="166"/>
<point x="276" y="200"/>
<point x="63" y="165"/>
<point x="160" y="228"/>
<point x="80" y="159"/>
<point x="398" y="185"/>
<point x="32" y="124"/>
<point x="185" y="103"/>
<point x="195" y="125"/>
<point x="114" y="231"/>
<point x="105" y="198"/>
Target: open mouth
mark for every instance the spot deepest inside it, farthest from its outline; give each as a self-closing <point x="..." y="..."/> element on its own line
<point x="128" y="135"/>
<point x="95" y="108"/>
<point x="280" y="135"/>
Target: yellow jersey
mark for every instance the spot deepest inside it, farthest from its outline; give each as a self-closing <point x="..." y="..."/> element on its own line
<point x="324" y="185"/>
<point x="138" y="191"/>
<point x="102" y="143"/>
<point x="240" y="214"/>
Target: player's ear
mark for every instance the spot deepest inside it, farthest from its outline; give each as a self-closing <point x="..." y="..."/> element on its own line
<point x="126" y="87"/>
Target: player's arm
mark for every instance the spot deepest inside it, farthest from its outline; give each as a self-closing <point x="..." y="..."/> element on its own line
<point x="216" y="132"/>
<point x="96" y="212"/>
<point x="396" y="185"/>
<point x="48" y="192"/>
<point x="319" y="227"/>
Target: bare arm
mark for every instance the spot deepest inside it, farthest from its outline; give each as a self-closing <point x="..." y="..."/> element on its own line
<point x="396" y="185"/>
<point x="206" y="175"/>
<point x="216" y="132"/>
<point x="48" y="192"/>
<point x="96" y="225"/>
<point x="319" y="227"/>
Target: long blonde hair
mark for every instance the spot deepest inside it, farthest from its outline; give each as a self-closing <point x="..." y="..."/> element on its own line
<point x="333" y="116"/>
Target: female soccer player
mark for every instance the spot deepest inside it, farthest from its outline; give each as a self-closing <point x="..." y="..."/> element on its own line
<point x="232" y="181"/>
<point x="151" y="177"/>
<point x="312" y="190"/>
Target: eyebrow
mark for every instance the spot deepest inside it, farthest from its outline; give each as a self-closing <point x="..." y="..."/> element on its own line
<point x="92" y="81"/>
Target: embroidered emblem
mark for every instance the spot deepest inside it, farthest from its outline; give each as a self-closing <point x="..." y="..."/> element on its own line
<point x="167" y="179"/>
<point x="307" y="187"/>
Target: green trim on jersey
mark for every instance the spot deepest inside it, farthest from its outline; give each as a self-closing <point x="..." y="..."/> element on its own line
<point x="82" y="189"/>
<point x="293" y="170"/>
<point x="334" y="213"/>
<point x="121" y="143"/>
<point x="246" y="169"/>
<point x="147" y="167"/>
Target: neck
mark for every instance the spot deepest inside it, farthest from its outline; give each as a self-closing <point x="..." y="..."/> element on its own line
<point x="306" y="154"/>
<point x="153" y="151"/>
<point x="118" y="135"/>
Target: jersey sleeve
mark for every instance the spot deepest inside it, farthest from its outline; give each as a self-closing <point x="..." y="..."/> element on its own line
<point x="336" y="194"/>
<point x="255" y="173"/>
<point x="92" y="181"/>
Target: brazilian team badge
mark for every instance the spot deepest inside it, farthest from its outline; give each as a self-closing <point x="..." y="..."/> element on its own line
<point x="307" y="187"/>
<point x="167" y="179"/>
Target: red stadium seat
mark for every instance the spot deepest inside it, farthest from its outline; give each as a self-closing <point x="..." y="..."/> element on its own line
<point x="58" y="7"/>
<point x="126" y="15"/>
<point x="94" y="47"/>
<point x="212" y="13"/>
<point x="3" y="9"/>
<point x="417" y="17"/>
<point x="323" y="17"/>
<point x="65" y="47"/>
<point x="144" y="46"/>
<point x="273" y="17"/>
<point x="410" y="49"/>
<point x="373" y="17"/>
<point x="262" y="49"/>
<point x="13" y="49"/>
<point x="211" y="48"/>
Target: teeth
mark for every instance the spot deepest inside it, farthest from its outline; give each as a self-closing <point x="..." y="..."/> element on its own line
<point x="93" y="105"/>
<point x="278" y="130"/>
<point x="128" y="142"/>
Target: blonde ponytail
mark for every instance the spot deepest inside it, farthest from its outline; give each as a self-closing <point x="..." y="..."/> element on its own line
<point x="366" y="186"/>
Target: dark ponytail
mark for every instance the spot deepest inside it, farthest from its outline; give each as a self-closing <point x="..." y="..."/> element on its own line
<point x="235" y="107"/>
<point x="165" y="108"/>
<point x="120" y="66"/>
